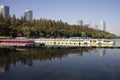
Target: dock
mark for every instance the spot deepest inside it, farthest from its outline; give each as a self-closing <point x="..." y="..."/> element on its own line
<point x="58" y="43"/>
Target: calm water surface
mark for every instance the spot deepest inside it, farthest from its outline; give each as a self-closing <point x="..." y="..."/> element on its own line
<point x="60" y="64"/>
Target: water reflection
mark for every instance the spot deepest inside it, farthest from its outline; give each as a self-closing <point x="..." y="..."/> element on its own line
<point x="4" y="67"/>
<point x="103" y="52"/>
<point x="60" y="64"/>
<point x="27" y="56"/>
<point x="27" y="62"/>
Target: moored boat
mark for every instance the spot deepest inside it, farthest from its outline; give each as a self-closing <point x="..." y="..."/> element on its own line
<point x="106" y="42"/>
<point x="16" y="42"/>
<point x="74" y="41"/>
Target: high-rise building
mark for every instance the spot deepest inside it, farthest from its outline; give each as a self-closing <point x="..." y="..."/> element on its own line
<point x="28" y="14"/>
<point x="95" y="27"/>
<point x="80" y="22"/>
<point x="103" y="25"/>
<point x="4" y="10"/>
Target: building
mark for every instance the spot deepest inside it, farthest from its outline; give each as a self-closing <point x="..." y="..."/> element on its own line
<point x="103" y="25"/>
<point x="87" y="25"/>
<point x="4" y="10"/>
<point x="80" y="22"/>
<point x="28" y="14"/>
<point x="95" y="27"/>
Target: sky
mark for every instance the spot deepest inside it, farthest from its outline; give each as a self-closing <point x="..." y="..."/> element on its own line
<point x="70" y="11"/>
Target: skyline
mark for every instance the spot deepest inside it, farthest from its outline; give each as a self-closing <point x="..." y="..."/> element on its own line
<point x="4" y="10"/>
<point x="92" y="11"/>
<point x="28" y="14"/>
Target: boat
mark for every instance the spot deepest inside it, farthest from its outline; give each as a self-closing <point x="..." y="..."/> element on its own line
<point x="16" y="42"/>
<point x="106" y="42"/>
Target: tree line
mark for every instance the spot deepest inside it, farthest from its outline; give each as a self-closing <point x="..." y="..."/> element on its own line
<point x="14" y="27"/>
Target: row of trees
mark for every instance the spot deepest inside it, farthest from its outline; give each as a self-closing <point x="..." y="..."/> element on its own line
<point x="14" y="27"/>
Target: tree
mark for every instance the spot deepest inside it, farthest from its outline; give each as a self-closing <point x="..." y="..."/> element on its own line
<point x="1" y="18"/>
<point x="13" y="20"/>
<point x="83" y="34"/>
<point x="13" y="26"/>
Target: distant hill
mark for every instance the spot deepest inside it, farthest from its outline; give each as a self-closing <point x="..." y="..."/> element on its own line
<point x="47" y="28"/>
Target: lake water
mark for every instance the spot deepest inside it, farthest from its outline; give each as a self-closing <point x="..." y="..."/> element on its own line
<point x="60" y="64"/>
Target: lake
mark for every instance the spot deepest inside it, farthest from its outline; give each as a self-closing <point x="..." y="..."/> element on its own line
<point x="60" y="64"/>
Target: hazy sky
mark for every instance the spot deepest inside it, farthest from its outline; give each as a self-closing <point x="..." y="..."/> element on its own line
<point x="90" y="11"/>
